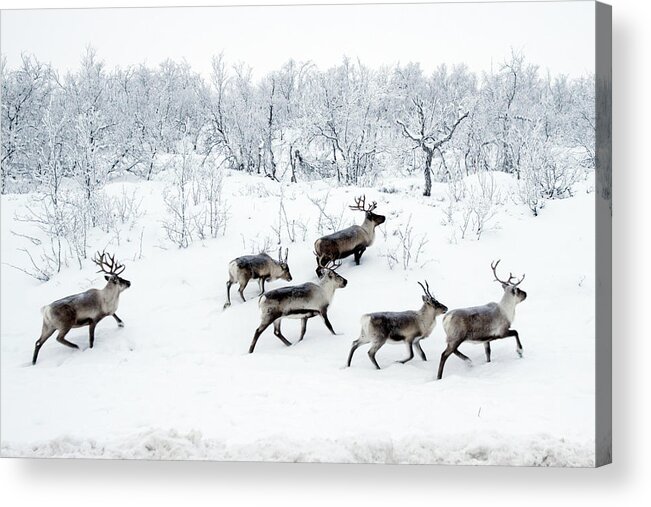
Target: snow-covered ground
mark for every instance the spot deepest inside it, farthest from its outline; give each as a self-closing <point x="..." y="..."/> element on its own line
<point x="177" y="382"/>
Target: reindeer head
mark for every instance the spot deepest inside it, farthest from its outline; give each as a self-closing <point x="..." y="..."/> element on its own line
<point x="282" y="262"/>
<point x="510" y="286"/>
<point x="360" y="205"/>
<point x="429" y="299"/>
<point x="328" y="272"/>
<point x="111" y="269"/>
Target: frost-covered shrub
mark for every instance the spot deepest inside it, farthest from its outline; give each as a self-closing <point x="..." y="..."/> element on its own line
<point x="127" y="207"/>
<point x="293" y="227"/>
<point x="193" y="200"/>
<point x="123" y="211"/>
<point x="213" y="210"/>
<point x="546" y="173"/>
<point x="457" y="189"/>
<point x="529" y="193"/>
<point x="404" y="247"/>
<point x="328" y="221"/>
<point x="388" y="190"/>
<point x="62" y="222"/>
<point x="63" y="218"/>
<point x="473" y="213"/>
<point x="558" y="175"/>
<point x="179" y="222"/>
<point x="484" y="200"/>
<point x="257" y="245"/>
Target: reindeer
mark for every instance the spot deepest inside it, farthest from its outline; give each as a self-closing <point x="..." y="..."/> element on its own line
<point x="85" y="309"/>
<point x="409" y="327"/>
<point x="483" y="324"/>
<point x="261" y="267"/>
<point x="352" y="240"/>
<point x="299" y="302"/>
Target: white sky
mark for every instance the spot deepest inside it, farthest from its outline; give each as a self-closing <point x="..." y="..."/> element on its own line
<point x="558" y="36"/>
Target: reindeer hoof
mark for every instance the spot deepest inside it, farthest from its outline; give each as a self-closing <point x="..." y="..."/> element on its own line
<point x="226" y="305"/>
<point x="519" y="352"/>
<point x="121" y="324"/>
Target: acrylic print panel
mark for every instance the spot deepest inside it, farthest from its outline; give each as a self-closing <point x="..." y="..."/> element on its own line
<point x="205" y="192"/>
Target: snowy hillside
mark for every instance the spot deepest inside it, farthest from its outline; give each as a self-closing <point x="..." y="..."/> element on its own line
<point x="177" y="381"/>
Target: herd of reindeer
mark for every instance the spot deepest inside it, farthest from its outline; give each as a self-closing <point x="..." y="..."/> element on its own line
<point x="479" y="324"/>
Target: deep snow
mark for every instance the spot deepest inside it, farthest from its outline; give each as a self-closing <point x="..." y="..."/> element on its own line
<point x="177" y="382"/>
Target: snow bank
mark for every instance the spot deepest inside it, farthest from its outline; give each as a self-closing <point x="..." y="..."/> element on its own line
<point x="492" y="449"/>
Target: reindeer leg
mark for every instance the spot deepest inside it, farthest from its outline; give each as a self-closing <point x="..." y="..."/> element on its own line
<point x="91" y="333"/>
<point x="118" y="320"/>
<point x="510" y="332"/>
<point x="279" y="334"/>
<point x="410" y="349"/>
<point x="228" y="294"/>
<point x="263" y="325"/>
<point x="243" y="285"/>
<point x="303" y="327"/>
<point x="324" y="314"/>
<point x="513" y="332"/>
<point x="373" y="350"/>
<point x="358" y="254"/>
<point x="444" y="357"/>
<point x="61" y="338"/>
<point x="261" y="284"/>
<point x="462" y="356"/>
<point x="487" y="350"/>
<point x="46" y="332"/>
<point x="421" y="352"/>
<point x="353" y="348"/>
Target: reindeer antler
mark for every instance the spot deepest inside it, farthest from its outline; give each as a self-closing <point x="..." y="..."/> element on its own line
<point x="511" y="277"/>
<point x="360" y="205"/>
<point x="110" y="266"/>
<point x="280" y="254"/>
<point x="519" y="281"/>
<point x="332" y="265"/>
<point x="426" y="289"/>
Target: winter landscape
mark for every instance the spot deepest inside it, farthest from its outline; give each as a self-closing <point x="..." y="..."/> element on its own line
<point x="177" y="173"/>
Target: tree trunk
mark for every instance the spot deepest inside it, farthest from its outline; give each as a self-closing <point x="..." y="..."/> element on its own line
<point x="151" y="165"/>
<point x="334" y="157"/>
<point x="292" y="162"/>
<point x="428" y="171"/>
